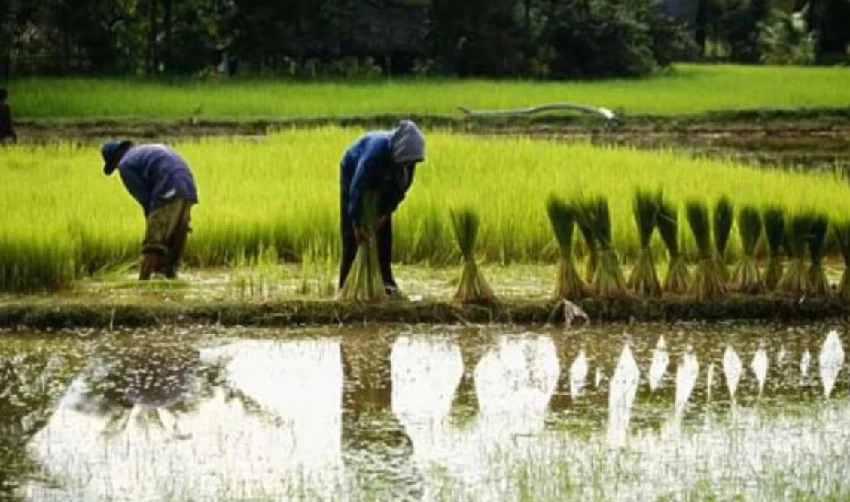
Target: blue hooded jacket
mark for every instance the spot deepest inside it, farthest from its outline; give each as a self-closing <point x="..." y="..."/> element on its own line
<point x="373" y="163"/>
<point x="156" y="175"/>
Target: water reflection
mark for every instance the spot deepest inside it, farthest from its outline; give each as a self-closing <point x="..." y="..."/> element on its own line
<point x="389" y="416"/>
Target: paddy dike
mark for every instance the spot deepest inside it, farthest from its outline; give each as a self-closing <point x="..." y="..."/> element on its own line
<point x="812" y="139"/>
<point x="79" y="314"/>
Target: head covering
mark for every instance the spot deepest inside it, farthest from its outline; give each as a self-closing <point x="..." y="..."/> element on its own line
<point x="111" y="152"/>
<point x="408" y="144"/>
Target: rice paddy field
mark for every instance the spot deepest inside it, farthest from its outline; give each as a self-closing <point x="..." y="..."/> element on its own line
<point x="278" y="197"/>
<point x="438" y="413"/>
<point x="686" y="89"/>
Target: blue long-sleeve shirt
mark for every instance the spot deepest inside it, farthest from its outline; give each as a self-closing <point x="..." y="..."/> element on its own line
<point x="368" y="166"/>
<point x="156" y="175"/>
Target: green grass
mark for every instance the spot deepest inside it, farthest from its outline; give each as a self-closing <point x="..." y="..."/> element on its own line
<point x="687" y="89"/>
<point x="61" y="218"/>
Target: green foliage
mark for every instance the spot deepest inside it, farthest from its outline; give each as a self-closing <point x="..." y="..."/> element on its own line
<point x="697" y="214"/>
<point x="364" y="282"/>
<point x="785" y="39"/>
<point x="842" y="236"/>
<point x="644" y="278"/>
<point x="668" y="226"/>
<point x="562" y="217"/>
<point x="795" y="280"/>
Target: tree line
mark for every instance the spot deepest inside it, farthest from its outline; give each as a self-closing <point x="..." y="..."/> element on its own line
<point x="355" y="38"/>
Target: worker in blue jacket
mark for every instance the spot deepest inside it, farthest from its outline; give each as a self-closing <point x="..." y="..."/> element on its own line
<point x="161" y="182"/>
<point x="381" y="162"/>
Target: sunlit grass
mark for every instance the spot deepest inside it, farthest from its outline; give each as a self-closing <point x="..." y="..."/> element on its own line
<point x="686" y="89"/>
<point x="63" y="219"/>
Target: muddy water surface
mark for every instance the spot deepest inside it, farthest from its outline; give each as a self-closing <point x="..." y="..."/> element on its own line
<point x="642" y="412"/>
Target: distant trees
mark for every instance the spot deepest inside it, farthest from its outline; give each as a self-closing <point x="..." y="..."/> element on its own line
<point x="344" y="38"/>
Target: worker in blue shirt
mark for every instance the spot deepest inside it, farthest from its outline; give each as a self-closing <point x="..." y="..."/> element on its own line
<point x="380" y="162"/>
<point x="161" y="182"/>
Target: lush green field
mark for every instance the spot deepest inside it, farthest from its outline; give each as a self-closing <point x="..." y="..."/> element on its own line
<point x="687" y="89"/>
<point x="62" y="217"/>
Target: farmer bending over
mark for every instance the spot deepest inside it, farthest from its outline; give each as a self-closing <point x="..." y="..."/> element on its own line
<point x="160" y="180"/>
<point x="381" y="162"/>
<point x="7" y="129"/>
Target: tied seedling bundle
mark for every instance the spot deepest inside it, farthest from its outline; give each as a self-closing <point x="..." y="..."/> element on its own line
<point x="817" y="243"/>
<point x="364" y="282"/>
<point x="796" y="280"/>
<point x="842" y="235"/>
<point x="608" y="278"/>
<point x="747" y="278"/>
<point x="592" y="250"/>
<point x="644" y="279"/>
<point x="707" y="282"/>
<point x="774" y="232"/>
<point x="562" y="216"/>
<point x="472" y="288"/>
<point x="723" y="213"/>
<point x="678" y="278"/>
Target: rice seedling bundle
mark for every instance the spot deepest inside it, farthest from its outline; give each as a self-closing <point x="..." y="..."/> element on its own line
<point x="722" y="221"/>
<point x="795" y="280"/>
<point x="678" y="277"/>
<point x="746" y="278"/>
<point x="842" y="236"/>
<point x="562" y="216"/>
<point x="774" y="231"/>
<point x="817" y="243"/>
<point x="608" y="278"/>
<point x="592" y="260"/>
<point x="472" y="288"/>
<point x="364" y="283"/>
<point x="707" y="282"/>
<point x="644" y="279"/>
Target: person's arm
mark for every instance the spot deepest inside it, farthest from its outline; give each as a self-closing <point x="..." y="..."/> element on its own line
<point x="362" y="173"/>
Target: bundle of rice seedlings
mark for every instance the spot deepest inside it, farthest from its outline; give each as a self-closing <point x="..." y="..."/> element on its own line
<point x="723" y="214"/>
<point x="774" y="231"/>
<point x="472" y="288"/>
<point x="608" y="278"/>
<point x="747" y="278"/>
<point x="842" y="235"/>
<point x="644" y="279"/>
<point x="364" y="282"/>
<point x="562" y="216"/>
<point x="795" y="280"/>
<point x="592" y="250"/>
<point x="817" y="243"/>
<point x="707" y="283"/>
<point x="678" y="277"/>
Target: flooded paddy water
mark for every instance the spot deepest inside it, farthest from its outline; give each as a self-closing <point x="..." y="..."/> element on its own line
<point x="392" y="412"/>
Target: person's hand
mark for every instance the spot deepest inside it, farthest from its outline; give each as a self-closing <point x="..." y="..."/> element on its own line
<point x="361" y="234"/>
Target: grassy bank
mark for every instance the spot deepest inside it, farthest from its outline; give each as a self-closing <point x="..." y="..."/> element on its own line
<point x="688" y="89"/>
<point x="280" y="196"/>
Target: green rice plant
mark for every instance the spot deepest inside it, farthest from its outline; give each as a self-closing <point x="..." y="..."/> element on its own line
<point x="774" y="231"/>
<point x="795" y="280"/>
<point x="722" y="225"/>
<point x="63" y="220"/>
<point x="689" y="88"/>
<point x="747" y="278"/>
<point x="842" y="236"/>
<point x="608" y="279"/>
<point x="644" y="279"/>
<point x="678" y="277"/>
<point x="472" y="288"/>
<point x="562" y="216"/>
<point x="364" y="283"/>
<point x="590" y="243"/>
<point x="707" y="282"/>
<point x="817" y="244"/>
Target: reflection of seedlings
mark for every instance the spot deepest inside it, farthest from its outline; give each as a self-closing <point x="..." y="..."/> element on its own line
<point x="153" y="383"/>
